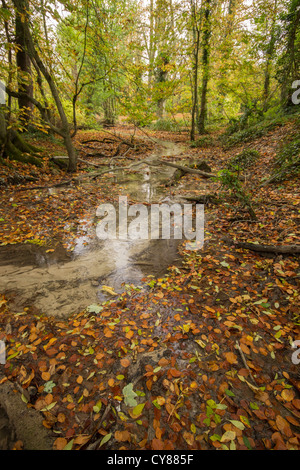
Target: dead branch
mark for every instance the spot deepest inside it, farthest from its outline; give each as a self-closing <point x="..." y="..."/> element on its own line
<point x="203" y="198"/>
<point x="186" y="169"/>
<point x="284" y="249"/>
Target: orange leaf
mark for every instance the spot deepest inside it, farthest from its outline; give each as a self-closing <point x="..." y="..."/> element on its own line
<point x="158" y="432"/>
<point x="125" y="362"/>
<point x="61" y="418"/>
<point x="149" y="383"/>
<point x="231" y="358"/>
<point x="283" y="426"/>
<point x="46" y="376"/>
<point x="161" y="400"/>
<point x="107" y="332"/>
<point x="163" y="362"/>
<point x="288" y="394"/>
<point x="60" y="443"/>
<point x="122" y="436"/>
<point x="111" y="382"/>
<point x="81" y="439"/>
<point x="79" y="379"/>
<point x="129" y="334"/>
<point x="245" y="348"/>
<point x="175" y="373"/>
<point x="157" y="444"/>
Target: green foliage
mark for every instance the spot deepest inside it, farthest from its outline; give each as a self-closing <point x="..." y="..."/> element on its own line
<point x="167" y="125"/>
<point x="243" y="160"/>
<point x="203" y="142"/>
<point x="252" y="132"/>
<point x="230" y="182"/>
<point x="287" y="161"/>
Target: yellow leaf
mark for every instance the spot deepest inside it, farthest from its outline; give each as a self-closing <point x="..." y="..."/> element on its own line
<point x="109" y="290"/>
<point x="228" y="436"/>
<point x="288" y="394"/>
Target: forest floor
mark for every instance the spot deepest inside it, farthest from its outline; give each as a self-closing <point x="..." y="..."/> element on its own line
<point x="199" y="358"/>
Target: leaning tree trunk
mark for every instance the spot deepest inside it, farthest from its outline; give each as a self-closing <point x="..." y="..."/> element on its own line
<point x="13" y="147"/>
<point x="25" y="84"/>
<point x="33" y="53"/>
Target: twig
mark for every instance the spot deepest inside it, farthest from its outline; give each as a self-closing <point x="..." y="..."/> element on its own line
<point x="244" y="361"/>
<point x="95" y="444"/>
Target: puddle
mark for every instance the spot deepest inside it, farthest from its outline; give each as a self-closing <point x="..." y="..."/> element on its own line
<point x="61" y="282"/>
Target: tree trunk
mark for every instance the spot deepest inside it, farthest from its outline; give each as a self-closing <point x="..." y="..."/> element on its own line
<point x="33" y="53"/>
<point x="25" y="85"/>
<point x="196" y="40"/>
<point x="269" y="57"/>
<point x="205" y="65"/>
<point x="291" y="65"/>
<point x="13" y="147"/>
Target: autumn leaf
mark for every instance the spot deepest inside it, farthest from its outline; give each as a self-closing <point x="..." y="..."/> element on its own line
<point x="228" y="436"/>
<point x="111" y="382"/>
<point x="288" y="394"/>
<point x="129" y="395"/>
<point x="283" y="426"/>
<point x="174" y="372"/>
<point x="105" y="439"/>
<point x="46" y="376"/>
<point x="137" y="410"/>
<point x="122" y="436"/>
<point x="157" y="444"/>
<point x="189" y="438"/>
<point x="109" y="290"/>
<point x="231" y="357"/>
<point x="125" y="362"/>
<point x="60" y="443"/>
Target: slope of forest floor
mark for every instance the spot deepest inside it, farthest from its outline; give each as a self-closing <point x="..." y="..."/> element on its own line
<point x="201" y="358"/>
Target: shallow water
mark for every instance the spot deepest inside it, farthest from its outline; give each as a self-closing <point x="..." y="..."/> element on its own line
<point x="63" y="282"/>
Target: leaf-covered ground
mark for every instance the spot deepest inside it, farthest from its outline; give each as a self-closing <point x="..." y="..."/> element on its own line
<point x="199" y="359"/>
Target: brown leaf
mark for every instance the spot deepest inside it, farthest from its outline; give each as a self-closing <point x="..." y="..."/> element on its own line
<point x="82" y="439"/>
<point x="279" y="443"/>
<point x="60" y="443"/>
<point x="125" y="362"/>
<point x="231" y="357"/>
<point x="189" y="438"/>
<point x="122" y="436"/>
<point x="175" y="373"/>
<point x="46" y="376"/>
<point x="157" y="444"/>
<point x="283" y="426"/>
<point x="288" y="394"/>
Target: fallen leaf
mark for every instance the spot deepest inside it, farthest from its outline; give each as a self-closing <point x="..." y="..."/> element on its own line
<point x="288" y="394"/>
<point x="231" y="357"/>
<point x="125" y="362"/>
<point x="122" y="436"/>
<point x="228" y="436"/>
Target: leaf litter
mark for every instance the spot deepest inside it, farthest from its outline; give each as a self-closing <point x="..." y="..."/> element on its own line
<point x="198" y="359"/>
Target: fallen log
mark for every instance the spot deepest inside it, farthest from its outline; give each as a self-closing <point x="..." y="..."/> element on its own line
<point x="203" y="198"/>
<point x="187" y="169"/>
<point x="283" y="249"/>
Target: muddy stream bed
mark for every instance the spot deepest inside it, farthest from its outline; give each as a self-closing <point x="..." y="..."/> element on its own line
<point x="62" y="282"/>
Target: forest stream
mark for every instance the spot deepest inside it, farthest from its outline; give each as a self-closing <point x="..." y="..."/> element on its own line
<point x="59" y="282"/>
